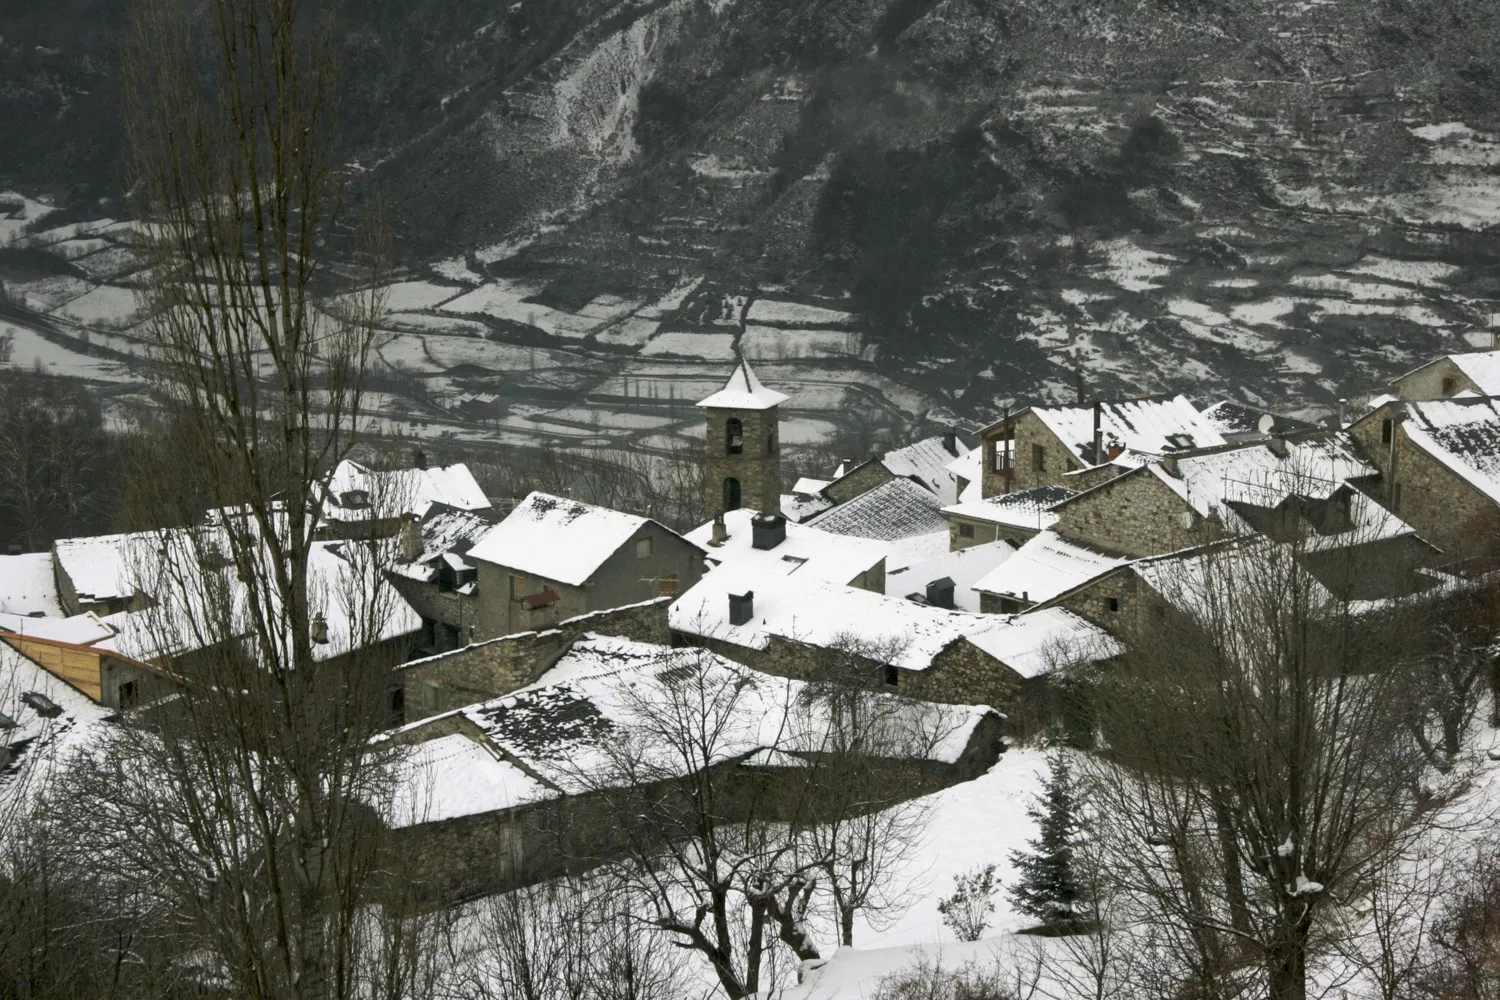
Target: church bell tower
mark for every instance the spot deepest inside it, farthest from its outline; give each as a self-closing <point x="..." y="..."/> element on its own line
<point x="742" y="446"/>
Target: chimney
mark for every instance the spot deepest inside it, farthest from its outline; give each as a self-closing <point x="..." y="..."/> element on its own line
<point x="1343" y="413"/>
<point x="420" y="459"/>
<point x="411" y="539"/>
<point x="1078" y="380"/>
<point x="940" y="593"/>
<point x="741" y="607"/>
<point x="767" y="531"/>
<point x="1277" y="445"/>
<point x="950" y="443"/>
<point x="721" y="533"/>
<point x="319" y="630"/>
<point x="1098" y="433"/>
<point x="1169" y="463"/>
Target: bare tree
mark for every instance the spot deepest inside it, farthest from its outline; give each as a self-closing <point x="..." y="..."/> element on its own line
<point x="1259" y="762"/>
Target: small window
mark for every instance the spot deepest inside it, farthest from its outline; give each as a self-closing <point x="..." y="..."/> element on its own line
<point x="965" y="531"/>
<point x="892" y="676"/>
<point x="643" y="547"/>
<point x="734" y="436"/>
<point x="129" y="695"/>
<point x="1449" y="385"/>
<point x="770" y="444"/>
<point x="517" y="587"/>
<point x="1387" y="430"/>
<point x="1038" y="458"/>
<point x="429" y="694"/>
<point x="667" y="586"/>
<point x="1113" y="603"/>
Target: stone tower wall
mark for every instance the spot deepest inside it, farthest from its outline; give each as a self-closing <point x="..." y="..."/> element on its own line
<point x="757" y="468"/>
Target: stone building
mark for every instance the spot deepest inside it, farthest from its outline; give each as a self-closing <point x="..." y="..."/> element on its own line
<point x="552" y="559"/>
<point x="1012" y="517"/>
<point x="742" y="450"/>
<point x="815" y="630"/>
<point x="516" y="790"/>
<point x="1439" y="470"/>
<point x="1042" y="445"/>
<point x="1474" y="372"/>
<point x="775" y="546"/>
<point x="360" y="502"/>
<point x="925" y="463"/>
<point x="435" y="575"/>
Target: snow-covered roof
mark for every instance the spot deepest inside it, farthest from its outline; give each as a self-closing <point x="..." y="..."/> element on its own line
<point x="28" y="585"/>
<point x="1022" y="509"/>
<point x="37" y="737"/>
<point x="970" y="468"/>
<point x="556" y="538"/>
<point x="1480" y="367"/>
<point x="897" y="508"/>
<point x="743" y="391"/>
<point x="927" y="462"/>
<point x="964" y="567"/>
<point x="1463" y="435"/>
<point x="829" y="616"/>
<point x="602" y="701"/>
<point x="806" y="552"/>
<point x="357" y="493"/>
<point x="1046" y="566"/>
<point x="79" y="630"/>
<point x="1039" y="642"/>
<point x="802" y="507"/>
<point x="1237" y="421"/>
<point x="100" y="565"/>
<point x="344" y="585"/>
<point x="1140" y="426"/>
<point x="454" y="776"/>
<point x="809" y="485"/>
<point x="1200" y="583"/>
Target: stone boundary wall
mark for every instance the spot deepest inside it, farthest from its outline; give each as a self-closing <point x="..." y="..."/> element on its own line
<point x="497" y="667"/>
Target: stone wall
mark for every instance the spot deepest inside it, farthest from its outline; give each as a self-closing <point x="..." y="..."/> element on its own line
<point x="435" y="604"/>
<point x="1429" y="382"/>
<point x="858" y="481"/>
<point x="1435" y="500"/>
<point x="1113" y="601"/>
<point x="500" y="614"/>
<point x="757" y="467"/>
<point x="497" y="667"/>
<point x="984" y="532"/>
<point x="1030" y="433"/>
<point x="1134" y="515"/>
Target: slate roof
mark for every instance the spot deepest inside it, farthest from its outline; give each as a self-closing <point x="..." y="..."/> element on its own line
<point x="1022" y="509"/>
<point x="1463" y="435"/>
<point x="447" y="531"/>
<point x="1235" y="420"/>
<point x="743" y="391"/>
<point x="927" y="462"/>
<point x="1145" y="427"/>
<point x="1046" y="566"/>
<point x="897" y="508"/>
<point x="806" y="552"/>
<point x="1480" y="367"/>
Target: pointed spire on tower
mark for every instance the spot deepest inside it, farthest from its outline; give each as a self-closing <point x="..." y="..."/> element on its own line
<point x="744" y="391"/>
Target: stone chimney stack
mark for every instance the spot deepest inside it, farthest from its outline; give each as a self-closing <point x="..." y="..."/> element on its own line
<point x="721" y="533"/>
<point x="741" y="607"/>
<point x="940" y="593"/>
<point x="1098" y="433"/>
<point x="767" y="531"/>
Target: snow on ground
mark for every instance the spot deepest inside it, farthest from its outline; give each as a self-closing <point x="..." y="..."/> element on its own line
<point x="17" y="212"/>
<point x="457" y="269"/>
<point x="30" y="348"/>
<point x="769" y="343"/>
<point x="415" y="295"/>
<point x="773" y="312"/>
<point x="435" y="324"/>
<point x="105" y="305"/>
<point x="709" y="346"/>
<point x="505" y="299"/>
<point x="110" y="264"/>
<point x="804" y="430"/>
<point x="1415" y="272"/>
<point x="631" y="332"/>
<point x="1133" y="268"/>
<point x="46" y="294"/>
<point x="672" y="301"/>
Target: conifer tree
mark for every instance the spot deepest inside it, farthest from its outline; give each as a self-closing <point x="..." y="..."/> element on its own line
<point x="1050" y="888"/>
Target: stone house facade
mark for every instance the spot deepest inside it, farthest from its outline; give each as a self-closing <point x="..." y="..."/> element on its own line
<point x="1450" y="375"/>
<point x="742" y="460"/>
<point x="1022" y="453"/>
<point x="966" y="532"/>
<point x="858" y="481"/>
<point x="497" y="667"/>
<point x="653" y="562"/>
<point x="1135" y="514"/>
<point x="1444" y="507"/>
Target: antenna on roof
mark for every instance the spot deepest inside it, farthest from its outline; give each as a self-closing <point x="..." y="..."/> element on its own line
<point x="1078" y="377"/>
<point x="1266" y="424"/>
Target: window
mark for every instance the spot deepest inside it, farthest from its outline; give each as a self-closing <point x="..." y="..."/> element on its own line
<point x="429" y="694"/>
<point x="1449" y="384"/>
<point x="771" y="444"/>
<point x="1038" y="458"/>
<point x="517" y="587"/>
<point x="1387" y="430"/>
<point x="643" y="547"/>
<point x="734" y="436"/>
<point x="1000" y="456"/>
<point x="1113" y="603"/>
<point x="892" y="676"/>
<point x="129" y="695"/>
<point x="731" y="494"/>
<point x="667" y="586"/>
<point x="41" y="704"/>
<point x="965" y="531"/>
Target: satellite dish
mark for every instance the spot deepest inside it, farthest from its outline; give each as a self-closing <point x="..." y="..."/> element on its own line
<point x="1186" y="520"/>
<point x="1267" y="423"/>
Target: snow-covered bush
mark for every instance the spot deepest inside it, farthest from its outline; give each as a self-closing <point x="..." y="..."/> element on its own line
<point x="968" y="910"/>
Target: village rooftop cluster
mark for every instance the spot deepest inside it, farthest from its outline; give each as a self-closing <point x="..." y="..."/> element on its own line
<point x="947" y="575"/>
